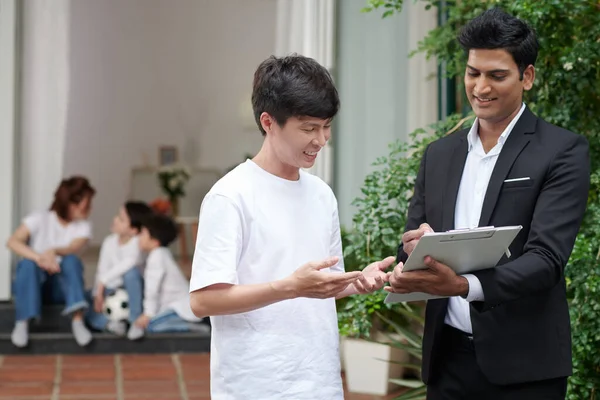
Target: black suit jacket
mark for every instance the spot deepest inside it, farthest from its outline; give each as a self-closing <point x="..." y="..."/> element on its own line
<point x="522" y="329"/>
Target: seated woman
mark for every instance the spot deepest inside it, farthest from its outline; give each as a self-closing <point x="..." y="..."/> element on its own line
<point x="51" y="270"/>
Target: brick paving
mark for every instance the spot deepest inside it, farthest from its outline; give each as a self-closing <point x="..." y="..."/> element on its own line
<point x="111" y="377"/>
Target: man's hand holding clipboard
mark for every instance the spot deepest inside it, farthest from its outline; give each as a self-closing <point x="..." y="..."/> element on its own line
<point x="439" y="265"/>
<point x="438" y="279"/>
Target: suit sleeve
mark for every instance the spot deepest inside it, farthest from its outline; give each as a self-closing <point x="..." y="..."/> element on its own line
<point x="557" y="216"/>
<point x="416" y="208"/>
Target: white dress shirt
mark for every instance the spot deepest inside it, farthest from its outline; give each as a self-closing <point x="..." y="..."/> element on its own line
<point x="473" y="185"/>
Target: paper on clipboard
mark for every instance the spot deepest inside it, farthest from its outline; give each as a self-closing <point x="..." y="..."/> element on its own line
<point x="463" y="250"/>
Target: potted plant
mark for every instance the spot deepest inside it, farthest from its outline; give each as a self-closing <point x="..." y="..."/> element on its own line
<point x="375" y="331"/>
<point x="172" y="180"/>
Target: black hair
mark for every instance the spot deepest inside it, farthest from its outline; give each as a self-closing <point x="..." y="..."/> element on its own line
<point x="161" y="227"/>
<point x="293" y="86"/>
<point x="496" y="29"/>
<point x="137" y="211"/>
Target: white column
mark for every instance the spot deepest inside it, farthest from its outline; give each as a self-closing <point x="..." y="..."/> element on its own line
<point x="44" y="100"/>
<point x="422" y="73"/>
<point x="8" y="27"/>
<point x="307" y="27"/>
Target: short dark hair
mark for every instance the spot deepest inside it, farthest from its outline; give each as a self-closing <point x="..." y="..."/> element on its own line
<point x="71" y="190"/>
<point x="496" y="29"/>
<point x="293" y="86"/>
<point x="161" y="227"/>
<point x="137" y="211"/>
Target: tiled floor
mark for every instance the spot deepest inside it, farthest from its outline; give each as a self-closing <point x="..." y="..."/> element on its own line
<point x="110" y="377"/>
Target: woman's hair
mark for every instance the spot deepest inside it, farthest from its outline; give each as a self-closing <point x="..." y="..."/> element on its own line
<point x="71" y="191"/>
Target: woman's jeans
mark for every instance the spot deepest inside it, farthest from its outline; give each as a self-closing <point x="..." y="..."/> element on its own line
<point x="133" y="283"/>
<point x="34" y="286"/>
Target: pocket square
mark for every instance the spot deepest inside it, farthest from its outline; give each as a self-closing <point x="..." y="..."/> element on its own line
<point x="517" y="179"/>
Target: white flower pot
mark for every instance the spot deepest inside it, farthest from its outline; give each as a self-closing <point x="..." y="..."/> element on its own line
<point x="367" y="367"/>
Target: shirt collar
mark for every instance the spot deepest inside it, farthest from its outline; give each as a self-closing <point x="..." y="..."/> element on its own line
<point x="473" y="135"/>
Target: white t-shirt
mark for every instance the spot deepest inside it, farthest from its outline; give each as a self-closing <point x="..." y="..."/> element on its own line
<point x="46" y="232"/>
<point x="256" y="227"/>
<point x="116" y="259"/>
<point x="165" y="287"/>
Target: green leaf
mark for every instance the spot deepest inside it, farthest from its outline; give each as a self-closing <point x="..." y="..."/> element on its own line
<point x="411" y="383"/>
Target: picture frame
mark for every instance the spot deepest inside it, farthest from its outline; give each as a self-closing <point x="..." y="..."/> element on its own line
<point x="167" y="155"/>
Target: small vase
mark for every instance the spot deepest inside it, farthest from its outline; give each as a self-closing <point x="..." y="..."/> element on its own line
<point x="174" y="207"/>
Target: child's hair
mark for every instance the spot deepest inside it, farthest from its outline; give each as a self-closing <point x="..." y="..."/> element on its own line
<point x="293" y="86"/>
<point x="137" y="211"/>
<point x="161" y="227"/>
<point x="71" y="191"/>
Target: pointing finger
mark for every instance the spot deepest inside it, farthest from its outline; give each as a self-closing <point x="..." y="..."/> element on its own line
<point x="328" y="262"/>
<point x="386" y="262"/>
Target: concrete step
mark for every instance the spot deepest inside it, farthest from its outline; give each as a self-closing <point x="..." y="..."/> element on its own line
<point x="52" y="335"/>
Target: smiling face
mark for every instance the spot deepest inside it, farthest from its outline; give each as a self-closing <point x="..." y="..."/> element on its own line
<point x="298" y="142"/>
<point x="493" y="84"/>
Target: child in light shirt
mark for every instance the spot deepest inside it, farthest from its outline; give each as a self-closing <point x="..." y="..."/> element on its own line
<point x="166" y="306"/>
<point x="119" y="266"/>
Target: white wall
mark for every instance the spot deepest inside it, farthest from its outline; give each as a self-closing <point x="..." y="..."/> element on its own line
<point x="150" y="72"/>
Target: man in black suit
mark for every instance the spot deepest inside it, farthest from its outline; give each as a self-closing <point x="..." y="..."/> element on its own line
<point x="504" y="332"/>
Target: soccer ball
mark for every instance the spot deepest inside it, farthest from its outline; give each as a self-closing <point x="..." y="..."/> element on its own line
<point x="116" y="306"/>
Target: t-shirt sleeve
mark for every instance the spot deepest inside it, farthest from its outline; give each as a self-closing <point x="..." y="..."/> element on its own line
<point x="33" y="222"/>
<point x="83" y="230"/>
<point x="218" y="244"/>
<point x="336" y="242"/>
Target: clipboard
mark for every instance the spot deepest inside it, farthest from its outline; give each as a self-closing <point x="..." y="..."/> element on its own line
<point x="463" y="250"/>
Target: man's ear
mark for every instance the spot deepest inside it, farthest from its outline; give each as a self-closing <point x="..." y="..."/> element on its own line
<point x="267" y="122"/>
<point x="528" y="77"/>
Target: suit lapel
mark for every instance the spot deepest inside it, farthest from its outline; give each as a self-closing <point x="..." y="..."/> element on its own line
<point x="455" y="171"/>
<point x="516" y="142"/>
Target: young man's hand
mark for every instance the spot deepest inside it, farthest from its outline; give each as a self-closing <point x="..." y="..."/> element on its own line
<point x="373" y="276"/>
<point x="310" y="281"/>
<point x="142" y="321"/>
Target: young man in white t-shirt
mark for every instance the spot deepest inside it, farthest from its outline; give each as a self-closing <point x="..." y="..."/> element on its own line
<point x="120" y="265"/>
<point x="268" y="262"/>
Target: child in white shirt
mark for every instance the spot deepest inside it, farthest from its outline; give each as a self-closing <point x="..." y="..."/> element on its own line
<point x="166" y="290"/>
<point x="118" y="266"/>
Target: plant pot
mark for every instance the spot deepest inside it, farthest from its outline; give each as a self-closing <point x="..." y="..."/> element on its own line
<point x="368" y="368"/>
<point x="174" y="206"/>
